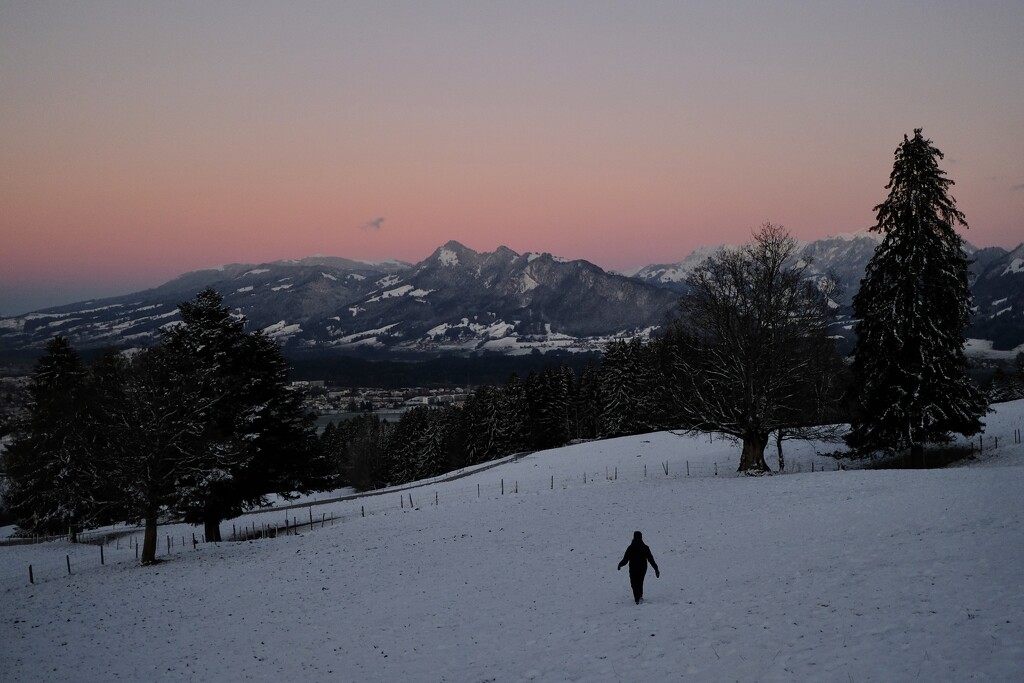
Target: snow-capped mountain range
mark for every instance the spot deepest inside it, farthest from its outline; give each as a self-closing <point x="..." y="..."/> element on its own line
<point x="456" y="300"/>
<point x="460" y="301"/>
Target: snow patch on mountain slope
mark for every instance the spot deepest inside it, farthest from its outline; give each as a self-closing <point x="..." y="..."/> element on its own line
<point x="391" y="293"/>
<point x="61" y="321"/>
<point x="448" y="258"/>
<point x="982" y="348"/>
<point x="282" y="330"/>
<point x="527" y="283"/>
<point x="363" y="335"/>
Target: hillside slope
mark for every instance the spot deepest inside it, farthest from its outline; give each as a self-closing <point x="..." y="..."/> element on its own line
<point x="826" y="576"/>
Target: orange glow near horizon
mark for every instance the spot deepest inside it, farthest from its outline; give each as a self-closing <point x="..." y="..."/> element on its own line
<point x="137" y="143"/>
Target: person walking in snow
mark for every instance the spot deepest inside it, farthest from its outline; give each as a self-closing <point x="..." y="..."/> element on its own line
<point x="637" y="556"/>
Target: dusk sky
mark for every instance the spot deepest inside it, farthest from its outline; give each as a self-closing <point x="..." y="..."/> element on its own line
<point x="140" y="140"/>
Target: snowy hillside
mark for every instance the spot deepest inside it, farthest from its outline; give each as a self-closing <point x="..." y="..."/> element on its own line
<point x="825" y="576"/>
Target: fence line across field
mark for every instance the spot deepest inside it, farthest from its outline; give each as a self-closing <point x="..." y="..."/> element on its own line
<point x="108" y="546"/>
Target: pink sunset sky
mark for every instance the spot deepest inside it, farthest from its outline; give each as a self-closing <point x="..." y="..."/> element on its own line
<point x="140" y="140"/>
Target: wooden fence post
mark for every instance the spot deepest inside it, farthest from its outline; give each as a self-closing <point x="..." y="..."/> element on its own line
<point x="101" y="554"/>
<point x="68" y="558"/>
<point x="31" y="578"/>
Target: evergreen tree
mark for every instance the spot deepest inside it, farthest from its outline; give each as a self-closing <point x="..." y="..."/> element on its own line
<point x="512" y="416"/>
<point x="433" y="444"/>
<point x="257" y="428"/>
<point x="627" y="386"/>
<point x="407" y="445"/>
<point x="456" y="455"/>
<point x="588" y="403"/>
<point x="55" y="476"/>
<point x="334" y="446"/>
<point x="549" y="398"/>
<point x="482" y="425"/>
<point x="913" y="306"/>
<point x="157" y="419"/>
<point x="367" y="439"/>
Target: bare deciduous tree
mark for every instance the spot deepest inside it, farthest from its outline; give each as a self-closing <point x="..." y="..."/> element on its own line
<point x="754" y="351"/>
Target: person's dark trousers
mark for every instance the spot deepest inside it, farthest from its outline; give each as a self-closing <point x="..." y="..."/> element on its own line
<point x="636" y="581"/>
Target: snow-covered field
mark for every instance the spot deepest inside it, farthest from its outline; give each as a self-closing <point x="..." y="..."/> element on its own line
<point x="814" y="576"/>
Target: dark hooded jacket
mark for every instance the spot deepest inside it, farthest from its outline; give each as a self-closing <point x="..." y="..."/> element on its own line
<point x="637" y="556"/>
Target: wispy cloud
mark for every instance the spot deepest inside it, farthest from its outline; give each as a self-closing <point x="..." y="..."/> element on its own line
<point x="373" y="225"/>
<point x="1017" y="188"/>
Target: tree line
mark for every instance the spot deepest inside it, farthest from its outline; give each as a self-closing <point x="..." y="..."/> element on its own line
<point x="200" y="427"/>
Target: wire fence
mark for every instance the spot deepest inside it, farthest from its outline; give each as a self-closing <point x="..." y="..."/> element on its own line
<point x="97" y="548"/>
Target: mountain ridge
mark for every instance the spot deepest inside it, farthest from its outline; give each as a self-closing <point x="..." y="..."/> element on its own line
<point x="459" y="301"/>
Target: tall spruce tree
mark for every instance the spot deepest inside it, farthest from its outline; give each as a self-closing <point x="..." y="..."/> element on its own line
<point x="589" y="400"/>
<point x="628" y="389"/>
<point x="55" y="476"/>
<point x="548" y="398"/>
<point x="913" y="307"/>
<point x="256" y="429"/>
<point x="482" y="420"/>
